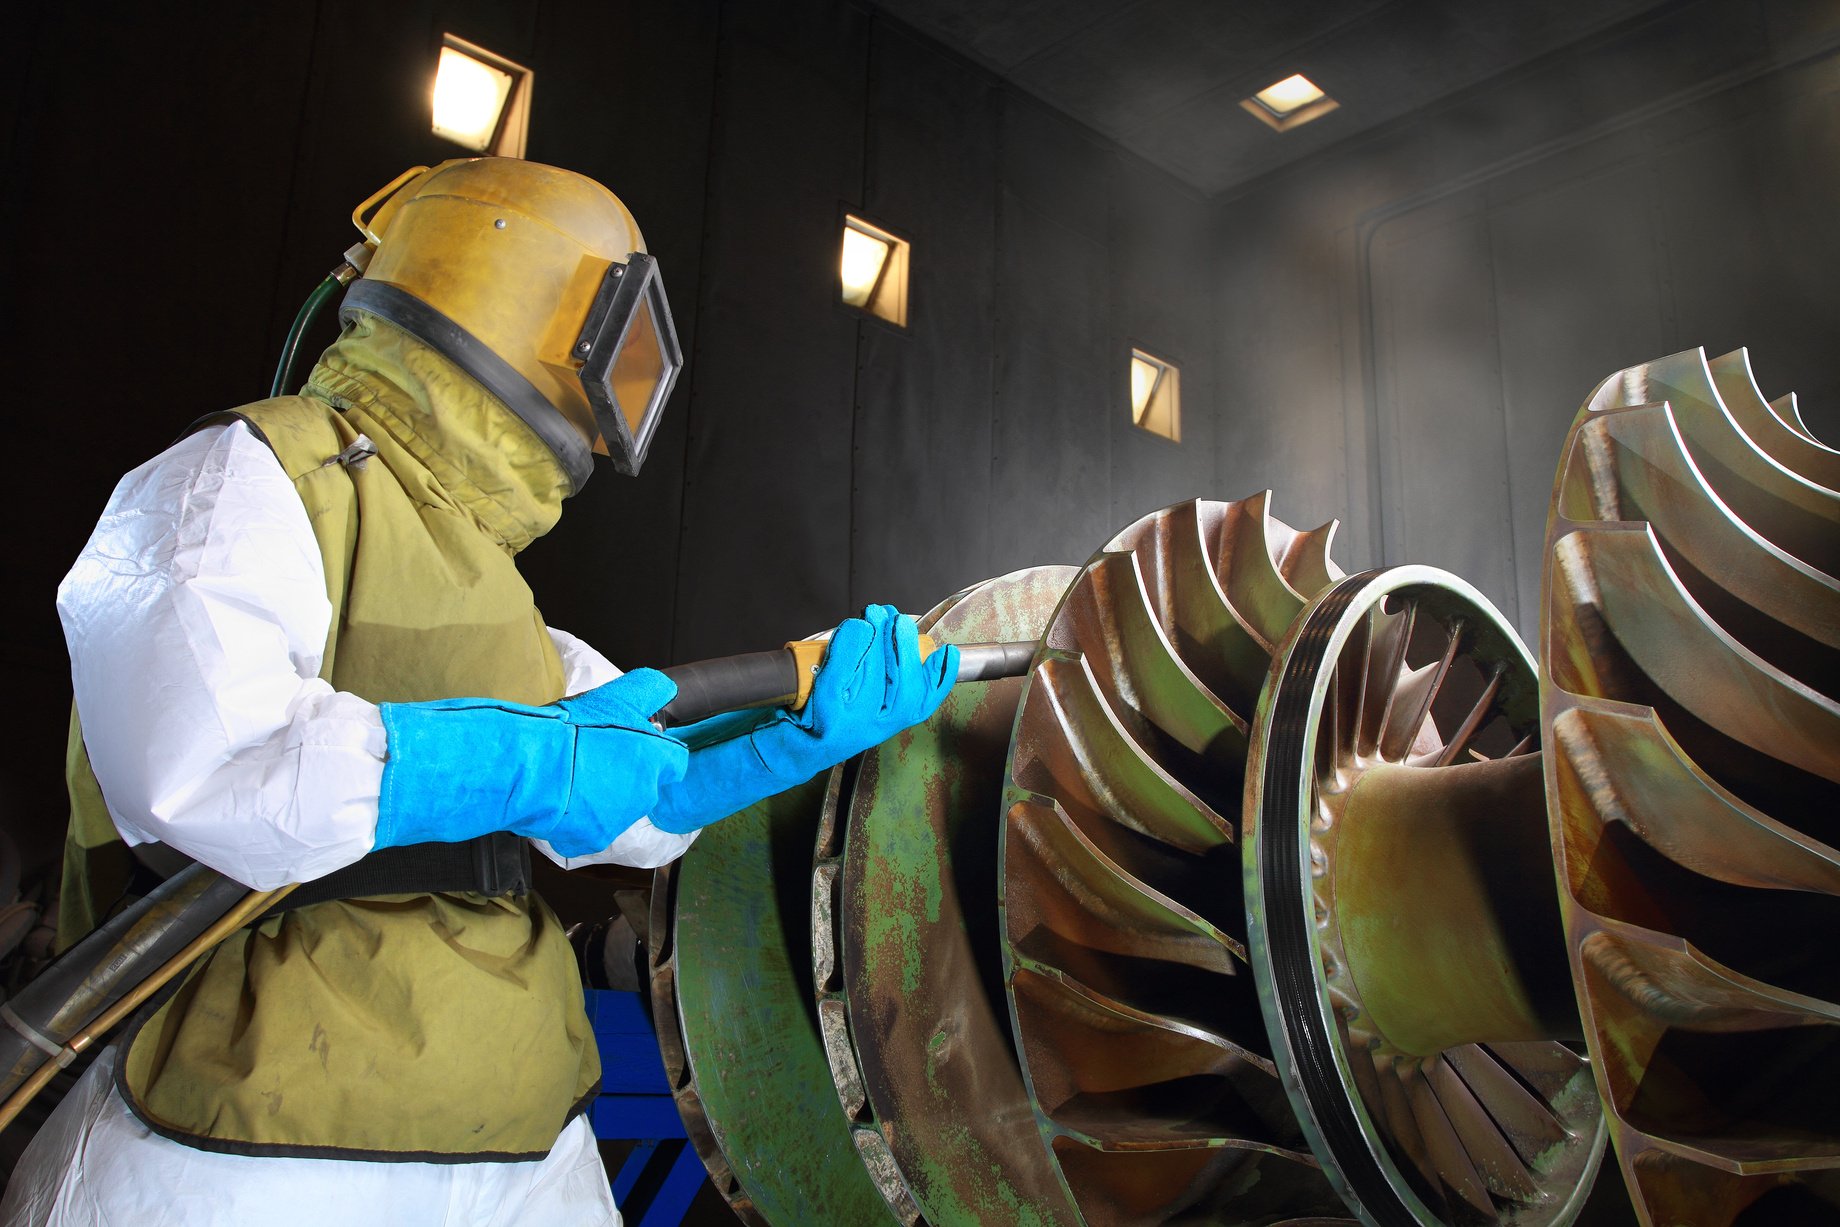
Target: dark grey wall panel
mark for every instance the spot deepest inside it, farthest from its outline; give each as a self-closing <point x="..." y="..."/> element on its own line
<point x="1050" y="462"/>
<point x="607" y="570"/>
<point x="144" y="217"/>
<point x="1443" y="451"/>
<point x="1054" y="166"/>
<point x="921" y="483"/>
<point x="1746" y="193"/>
<point x="1577" y="275"/>
<point x="1660" y="188"/>
<point x="1160" y="302"/>
<point x="1280" y="372"/>
<point x="995" y="432"/>
<point x="364" y="119"/>
<point x="766" y="530"/>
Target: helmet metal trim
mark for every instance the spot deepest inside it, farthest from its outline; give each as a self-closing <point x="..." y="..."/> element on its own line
<point x="466" y="351"/>
<point x="625" y="292"/>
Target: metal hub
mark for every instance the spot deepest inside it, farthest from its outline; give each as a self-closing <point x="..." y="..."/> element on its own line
<point x="1403" y="917"/>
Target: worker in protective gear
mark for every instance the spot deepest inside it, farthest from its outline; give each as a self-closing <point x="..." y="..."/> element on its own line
<point x="302" y="652"/>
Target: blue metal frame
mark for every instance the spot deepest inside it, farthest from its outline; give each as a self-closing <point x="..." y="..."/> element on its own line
<point x="635" y="1102"/>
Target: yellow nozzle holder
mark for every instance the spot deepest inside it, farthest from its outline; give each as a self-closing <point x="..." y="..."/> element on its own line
<point x="808" y="658"/>
<point x="535" y="281"/>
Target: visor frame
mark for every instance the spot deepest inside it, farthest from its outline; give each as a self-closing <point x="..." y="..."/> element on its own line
<point x="624" y="290"/>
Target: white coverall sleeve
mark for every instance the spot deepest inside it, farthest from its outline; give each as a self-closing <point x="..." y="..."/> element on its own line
<point x="196" y="618"/>
<point x="640" y="845"/>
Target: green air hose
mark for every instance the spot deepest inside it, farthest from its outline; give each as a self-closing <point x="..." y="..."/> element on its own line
<point x="285" y="373"/>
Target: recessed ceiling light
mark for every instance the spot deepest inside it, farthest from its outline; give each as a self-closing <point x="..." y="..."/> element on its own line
<point x="1290" y="102"/>
<point x="1287" y="95"/>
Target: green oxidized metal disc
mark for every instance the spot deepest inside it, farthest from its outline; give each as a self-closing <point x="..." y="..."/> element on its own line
<point x="910" y="980"/>
<point x="733" y="998"/>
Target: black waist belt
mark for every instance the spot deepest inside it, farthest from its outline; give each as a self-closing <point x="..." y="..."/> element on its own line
<point x="495" y="864"/>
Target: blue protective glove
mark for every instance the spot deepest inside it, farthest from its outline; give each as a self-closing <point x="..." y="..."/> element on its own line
<point x="873" y="684"/>
<point x="576" y="773"/>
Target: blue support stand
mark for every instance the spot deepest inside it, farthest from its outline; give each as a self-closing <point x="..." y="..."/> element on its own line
<point x="635" y="1102"/>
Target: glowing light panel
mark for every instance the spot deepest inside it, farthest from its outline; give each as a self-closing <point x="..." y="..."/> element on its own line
<point x="864" y="256"/>
<point x="469" y="96"/>
<point x="872" y="271"/>
<point x="1144" y="377"/>
<point x="1290" y="94"/>
<point x="1156" y="395"/>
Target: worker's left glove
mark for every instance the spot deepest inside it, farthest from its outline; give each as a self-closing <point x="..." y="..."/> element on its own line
<point x="576" y="773"/>
<point x="873" y="684"/>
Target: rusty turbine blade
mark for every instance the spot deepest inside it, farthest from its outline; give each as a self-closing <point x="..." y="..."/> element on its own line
<point x="1689" y="678"/>
<point x="1136" y="1022"/>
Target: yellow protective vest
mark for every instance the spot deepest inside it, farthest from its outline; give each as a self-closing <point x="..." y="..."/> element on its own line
<point x="409" y="1027"/>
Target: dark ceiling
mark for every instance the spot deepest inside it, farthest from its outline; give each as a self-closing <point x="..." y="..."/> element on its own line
<point x="1164" y="78"/>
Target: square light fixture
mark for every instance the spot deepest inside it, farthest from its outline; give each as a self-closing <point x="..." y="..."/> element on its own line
<point x="481" y="99"/>
<point x="1288" y="103"/>
<point x="1156" y="395"/>
<point x="872" y="271"/>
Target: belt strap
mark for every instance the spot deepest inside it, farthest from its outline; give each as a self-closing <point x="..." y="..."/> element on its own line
<point x="495" y="864"/>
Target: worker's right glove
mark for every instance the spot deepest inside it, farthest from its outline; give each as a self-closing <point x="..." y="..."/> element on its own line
<point x="576" y="773"/>
<point x="873" y="684"/>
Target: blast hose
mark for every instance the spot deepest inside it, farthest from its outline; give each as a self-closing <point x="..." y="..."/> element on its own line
<point x="97" y="982"/>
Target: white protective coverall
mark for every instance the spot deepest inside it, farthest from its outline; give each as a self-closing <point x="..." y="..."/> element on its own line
<point x="201" y="595"/>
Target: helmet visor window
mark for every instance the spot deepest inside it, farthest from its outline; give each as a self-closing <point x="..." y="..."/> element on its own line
<point x="639" y="370"/>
